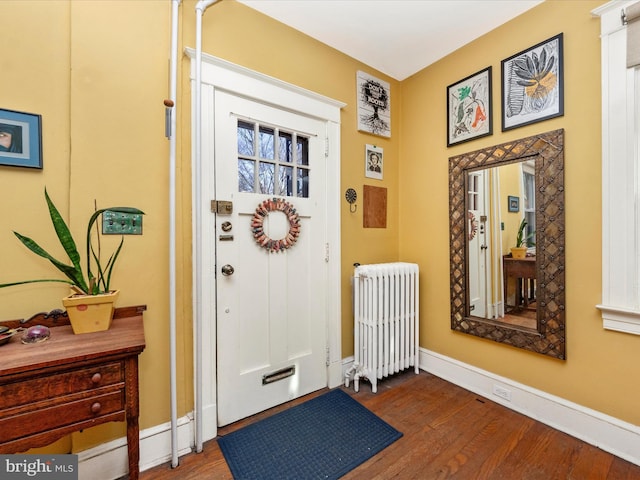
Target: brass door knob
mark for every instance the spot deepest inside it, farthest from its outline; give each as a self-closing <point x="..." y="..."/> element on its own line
<point x="227" y="270"/>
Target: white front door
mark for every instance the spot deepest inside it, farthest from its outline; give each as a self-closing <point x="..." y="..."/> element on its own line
<point x="477" y="244"/>
<point x="271" y="292"/>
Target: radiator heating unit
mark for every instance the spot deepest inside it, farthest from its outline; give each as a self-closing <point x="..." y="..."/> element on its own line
<point x="386" y="307"/>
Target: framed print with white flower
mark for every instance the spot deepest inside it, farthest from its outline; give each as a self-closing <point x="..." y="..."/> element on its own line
<point x="533" y="84"/>
<point x="469" y="108"/>
<point x="374" y="105"/>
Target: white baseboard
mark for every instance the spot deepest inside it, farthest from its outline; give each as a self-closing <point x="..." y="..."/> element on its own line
<point x="603" y="431"/>
<point x="109" y="460"/>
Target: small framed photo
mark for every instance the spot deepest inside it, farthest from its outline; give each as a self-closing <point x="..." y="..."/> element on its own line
<point x="20" y="139"/>
<point x="374" y="105"/>
<point x="469" y="113"/>
<point x="513" y="203"/>
<point x="533" y="84"/>
<point x="373" y="162"/>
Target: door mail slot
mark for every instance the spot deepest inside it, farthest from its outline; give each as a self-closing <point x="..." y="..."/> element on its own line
<point x="281" y="374"/>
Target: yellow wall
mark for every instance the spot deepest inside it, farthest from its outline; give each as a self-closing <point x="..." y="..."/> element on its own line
<point x="97" y="71"/>
<point x="600" y="365"/>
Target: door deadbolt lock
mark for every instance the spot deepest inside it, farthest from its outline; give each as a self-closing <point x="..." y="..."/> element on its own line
<point x="227" y="270"/>
<point x="226" y="226"/>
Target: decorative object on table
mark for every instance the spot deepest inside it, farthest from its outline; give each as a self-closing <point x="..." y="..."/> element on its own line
<point x="513" y="203"/>
<point x="533" y="84"/>
<point x="469" y="114"/>
<point x="523" y="241"/>
<point x="374" y="105"/>
<point x="373" y="162"/>
<point x="351" y="196"/>
<point x="90" y="306"/>
<point x="20" y="139"/>
<point x="257" y="225"/>
<point x="7" y="333"/>
<point x="36" y="334"/>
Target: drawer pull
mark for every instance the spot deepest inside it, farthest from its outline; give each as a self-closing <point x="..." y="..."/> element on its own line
<point x="95" y="408"/>
<point x="95" y="379"/>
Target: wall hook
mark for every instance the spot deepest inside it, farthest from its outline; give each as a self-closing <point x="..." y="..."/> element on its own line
<point x="351" y="197"/>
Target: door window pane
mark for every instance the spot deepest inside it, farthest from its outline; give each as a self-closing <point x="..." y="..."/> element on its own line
<point x="286" y="152"/>
<point x="303" y="183"/>
<point x="303" y="150"/>
<point x="246" y="137"/>
<point x="246" y="175"/>
<point x="267" y="178"/>
<point x="285" y="186"/>
<point x="267" y="143"/>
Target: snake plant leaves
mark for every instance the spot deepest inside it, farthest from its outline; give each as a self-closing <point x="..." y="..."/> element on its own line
<point x="90" y="285"/>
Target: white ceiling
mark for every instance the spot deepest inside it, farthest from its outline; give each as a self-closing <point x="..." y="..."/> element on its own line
<point x="396" y="37"/>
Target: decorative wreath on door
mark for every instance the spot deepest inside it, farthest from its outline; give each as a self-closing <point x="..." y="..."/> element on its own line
<point x="261" y="238"/>
<point x="473" y="225"/>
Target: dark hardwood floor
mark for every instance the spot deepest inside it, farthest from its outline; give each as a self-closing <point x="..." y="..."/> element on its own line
<point x="448" y="432"/>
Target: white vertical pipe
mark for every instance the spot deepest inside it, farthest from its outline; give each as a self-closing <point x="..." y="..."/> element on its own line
<point x="172" y="232"/>
<point x="201" y="6"/>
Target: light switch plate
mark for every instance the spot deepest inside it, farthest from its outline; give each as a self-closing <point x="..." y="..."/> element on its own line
<point x="116" y="223"/>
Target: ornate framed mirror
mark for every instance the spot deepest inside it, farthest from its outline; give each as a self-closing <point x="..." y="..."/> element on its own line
<point x="494" y="294"/>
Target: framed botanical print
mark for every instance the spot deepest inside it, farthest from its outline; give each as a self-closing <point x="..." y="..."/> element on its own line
<point x="469" y="113"/>
<point x="533" y="84"/>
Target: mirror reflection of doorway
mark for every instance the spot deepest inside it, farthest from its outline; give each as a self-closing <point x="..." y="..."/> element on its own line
<point x="501" y="288"/>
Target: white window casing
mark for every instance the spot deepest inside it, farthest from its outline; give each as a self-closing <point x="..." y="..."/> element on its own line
<point x="620" y="305"/>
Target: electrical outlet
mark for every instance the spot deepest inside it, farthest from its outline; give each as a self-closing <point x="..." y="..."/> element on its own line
<point x="502" y="393"/>
<point x="116" y="223"/>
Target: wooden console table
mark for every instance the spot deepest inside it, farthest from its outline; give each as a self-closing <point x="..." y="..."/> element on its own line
<point x="71" y="382"/>
<point x="524" y="271"/>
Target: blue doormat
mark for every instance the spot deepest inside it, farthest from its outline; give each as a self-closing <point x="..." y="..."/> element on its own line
<point x="323" y="438"/>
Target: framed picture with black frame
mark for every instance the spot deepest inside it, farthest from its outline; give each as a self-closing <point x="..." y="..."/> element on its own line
<point x="20" y="139"/>
<point x="533" y="84"/>
<point x="513" y="203"/>
<point x="469" y="113"/>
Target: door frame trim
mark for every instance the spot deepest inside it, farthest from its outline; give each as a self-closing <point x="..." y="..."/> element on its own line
<point x="219" y="74"/>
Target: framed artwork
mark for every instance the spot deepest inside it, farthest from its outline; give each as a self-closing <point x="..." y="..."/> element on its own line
<point x="533" y="84"/>
<point x="20" y="139"/>
<point x="373" y="162"/>
<point x="469" y="113"/>
<point x="374" y="105"/>
<point x="513" y="203"/>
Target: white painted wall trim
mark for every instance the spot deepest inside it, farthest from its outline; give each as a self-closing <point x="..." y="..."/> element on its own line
<point x="620" y="304"/>
<point x="603" y="431"/>
<point x="109" y="461"/>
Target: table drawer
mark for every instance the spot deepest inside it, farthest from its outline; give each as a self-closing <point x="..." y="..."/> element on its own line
<point x="65" y="383"/>
<point x="69" y="413"/>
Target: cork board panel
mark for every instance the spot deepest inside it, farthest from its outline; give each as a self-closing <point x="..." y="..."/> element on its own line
<point x="375" y="207"/>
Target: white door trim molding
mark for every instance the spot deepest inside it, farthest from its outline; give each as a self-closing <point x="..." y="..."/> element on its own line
<point x="218" y="74"/>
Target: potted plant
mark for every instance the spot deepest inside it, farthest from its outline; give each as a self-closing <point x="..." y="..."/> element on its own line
<point x="90" y="305"/>
<point x="522" y="241"/>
